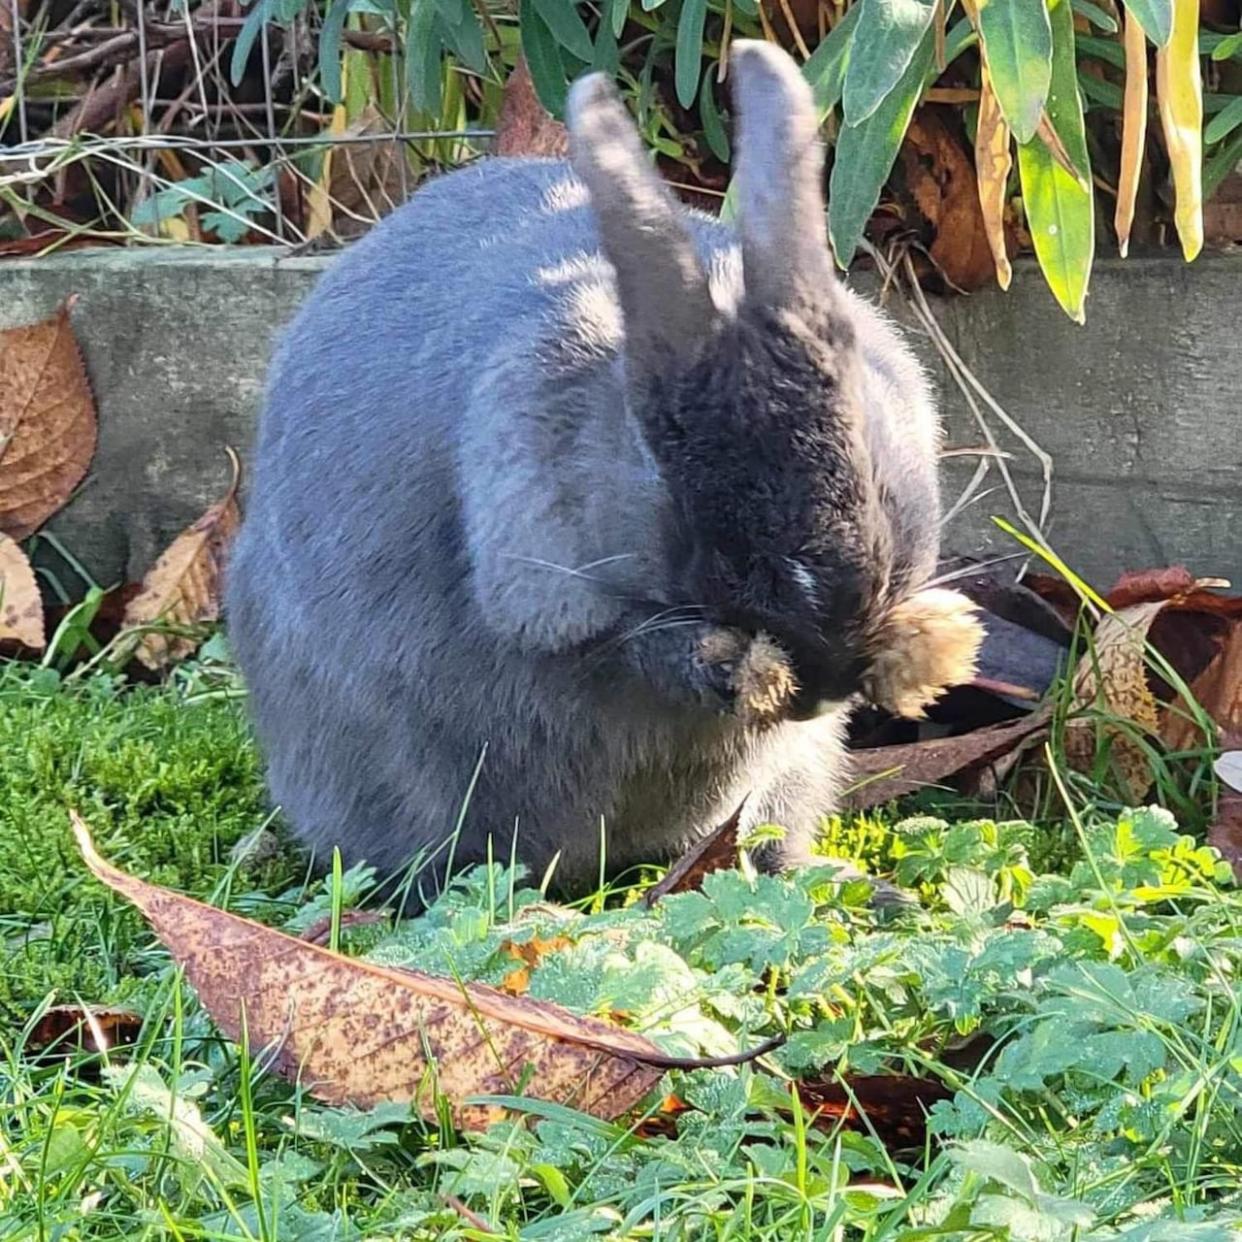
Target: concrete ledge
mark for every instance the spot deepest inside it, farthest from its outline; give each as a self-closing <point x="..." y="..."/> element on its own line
<point x="1139" y="409"/>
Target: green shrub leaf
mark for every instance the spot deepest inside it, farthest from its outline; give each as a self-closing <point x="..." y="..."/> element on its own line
<point x="713" y="127"/>
<point x="422" y="63"/>
<point x="826" y="69"/>
<point x="543" y="59"/>
<point x="1059" y="206"/>
<point x="889" y="34"/>
<point x="567" y="27"/>
<point x="1224" y="122"/>
<point x="1156" y="18"/>
<point x="689" y="57"/>
<point x="865" y="155"/>
<point x="1017" y="41"/>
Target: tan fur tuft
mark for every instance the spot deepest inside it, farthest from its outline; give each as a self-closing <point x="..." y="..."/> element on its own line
<point x="762" y="678"/>
<point x="929" y="643"/>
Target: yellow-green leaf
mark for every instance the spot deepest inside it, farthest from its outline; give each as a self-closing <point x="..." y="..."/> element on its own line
<point x="1060" y="209"/>
<point x="1179" y="92"/>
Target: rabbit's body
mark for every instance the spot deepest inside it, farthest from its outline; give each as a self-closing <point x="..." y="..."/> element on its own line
<point x="454" y="587"/>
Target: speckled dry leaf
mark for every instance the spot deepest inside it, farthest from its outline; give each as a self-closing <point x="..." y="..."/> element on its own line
<point x="356" y="1033"/>
<point x="21" y="608"/>
<point x="182" y="590"/>
<point x="1113" y="677"/>
<point x="47" y="422"/>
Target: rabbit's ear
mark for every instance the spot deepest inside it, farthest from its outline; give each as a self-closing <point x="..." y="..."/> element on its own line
<point x="785" y="254"/>
<point x="661" y="283"/>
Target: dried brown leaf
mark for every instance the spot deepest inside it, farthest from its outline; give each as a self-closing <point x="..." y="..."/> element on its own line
<point x="21" y="607"/>
<point x="183" y="587"/>
<point x="356" y="1033"/>
<point x="993" y="162"/>
<point x="944" y="187"/>
<point x="87" y="1028"/>
<point x="887" y="772"/>
<point x="1112" y="677"/>
<point x="525" y="126"/>
<point x="893" y="1106"/>
<point x="362" y="181"/>
<point x="1133" y="129"/>
<point x="47" y="422"/>
<point x="714" y="852"/>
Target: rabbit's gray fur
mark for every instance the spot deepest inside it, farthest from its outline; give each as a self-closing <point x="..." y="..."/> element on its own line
<point x="505" y="486"/>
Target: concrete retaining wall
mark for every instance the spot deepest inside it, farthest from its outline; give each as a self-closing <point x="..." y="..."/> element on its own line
<point x="1139" y="410"/>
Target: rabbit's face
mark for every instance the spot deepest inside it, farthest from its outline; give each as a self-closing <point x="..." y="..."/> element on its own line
<point x="755" y="418"/>
<point x="778" y="525"/>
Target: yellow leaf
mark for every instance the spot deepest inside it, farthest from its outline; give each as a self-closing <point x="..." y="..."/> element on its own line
<point x="993" y="161"/>
<point x="1133" y="130"/>
<point x="1179" y="92"/>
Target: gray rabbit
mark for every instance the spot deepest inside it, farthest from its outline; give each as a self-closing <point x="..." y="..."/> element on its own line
<point x="578" y="516"/>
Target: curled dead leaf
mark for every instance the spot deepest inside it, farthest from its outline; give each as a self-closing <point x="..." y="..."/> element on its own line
<point x="714" y="852"/>
<point x="993" y="162"/>
<point x="21" y="607"/>
<point x="357" y="1033"/>
<point x="182" y="589"/>
<point x="48" y="428"/>
<point x="883" y="773"/>
<point x="63" y="1029"/>
<point x="1112" y="677"/>
<point x="943" y="184"/>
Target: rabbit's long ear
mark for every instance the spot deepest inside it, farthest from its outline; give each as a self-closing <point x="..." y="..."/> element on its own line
<point x="785" y="254"/>
<point x="660" y="281"/>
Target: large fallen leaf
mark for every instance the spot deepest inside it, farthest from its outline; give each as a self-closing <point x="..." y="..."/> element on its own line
<point x="887" y="772"/>
<point x="182" y="589"/>
<point x="21" y="608"/>
<point x="356" y="1033"/>
<point x="47" y="422"/>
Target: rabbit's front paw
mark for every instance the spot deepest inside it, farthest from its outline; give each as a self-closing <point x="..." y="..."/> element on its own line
<point x="749" y="675"/>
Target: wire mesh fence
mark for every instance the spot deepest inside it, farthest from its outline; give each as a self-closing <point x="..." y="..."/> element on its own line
<point x="126" y="120"/>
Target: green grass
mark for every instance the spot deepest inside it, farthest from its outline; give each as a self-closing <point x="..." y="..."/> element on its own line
<point x="1097" y="952"/>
